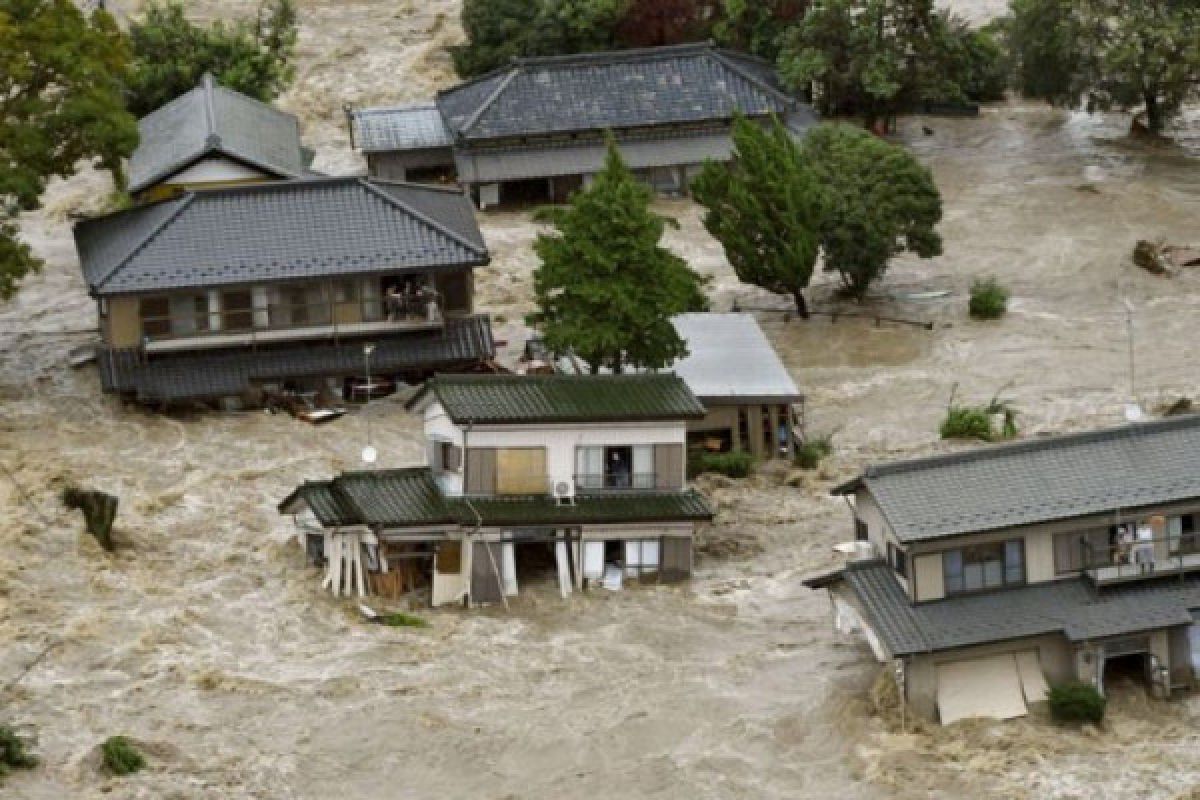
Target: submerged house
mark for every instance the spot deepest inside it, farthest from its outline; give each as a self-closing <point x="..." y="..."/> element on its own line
<point x="534" y="130"/>
<point x="577" y="477"/>
<point x="251" y="290"/>
<point x="751" y="402"/>
<point x="987" y="575"/>
<point x="212" y="137"/>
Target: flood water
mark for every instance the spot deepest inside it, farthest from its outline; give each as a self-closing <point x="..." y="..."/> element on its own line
<point x="206" y="640"/>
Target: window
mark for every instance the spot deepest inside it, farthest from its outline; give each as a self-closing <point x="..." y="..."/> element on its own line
<point x="984" y="566"/>
<point x="619" y="467"/>
<point x="447" y="457"/>
<point x="641" y="557"/>
<point x="1078" y="550"/>
<point x="237" y="310"/>
<point x="898" y="559"/>
<point x="861" y="532"/>
<point x="155" y="316"/>
<point x="1181" y="533"/>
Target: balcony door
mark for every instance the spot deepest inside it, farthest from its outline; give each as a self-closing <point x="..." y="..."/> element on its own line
<point x="615" y="467"/>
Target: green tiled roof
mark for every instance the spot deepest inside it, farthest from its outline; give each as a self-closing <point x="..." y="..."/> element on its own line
<point x="492" y="399"/>
<point x="409" y="497"/>
<point x="588" y="509"/>
<point x="388" y="498"/>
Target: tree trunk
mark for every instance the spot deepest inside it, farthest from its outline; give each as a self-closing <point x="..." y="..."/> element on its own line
<point x="801" y="305"/>
<point x="1154" y="115"/>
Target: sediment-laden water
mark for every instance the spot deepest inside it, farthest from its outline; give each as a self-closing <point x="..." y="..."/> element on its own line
<point x="205" y="638"/>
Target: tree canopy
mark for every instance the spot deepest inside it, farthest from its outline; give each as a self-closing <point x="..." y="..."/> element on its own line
<point x="1103" y="54"/>
<point x="881" y="202"/>
<point x="170" y="54"/>
<point x="606" y="289"/>
<point x="757" y="26"/>
<point x="766" y="208"/>
<point x="877" y="58"/>
<point x="60" y="103"/>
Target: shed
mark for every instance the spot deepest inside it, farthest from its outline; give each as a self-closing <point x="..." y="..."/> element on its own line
<point x="751" y="400"/>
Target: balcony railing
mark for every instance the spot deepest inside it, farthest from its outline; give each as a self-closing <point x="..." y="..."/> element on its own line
<point x="1140" y="559"/>
<point x="595" y="482"/>
<point x="283" y="322"/>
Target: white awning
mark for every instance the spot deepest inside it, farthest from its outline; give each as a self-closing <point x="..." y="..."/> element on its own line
<point x="980" y="687"/>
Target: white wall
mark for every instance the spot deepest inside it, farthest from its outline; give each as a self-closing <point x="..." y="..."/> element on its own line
<point x="560" y="441"/>
<point x="216" y="169"/>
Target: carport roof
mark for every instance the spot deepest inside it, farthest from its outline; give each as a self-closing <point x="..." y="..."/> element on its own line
<point x="1072" y="607"/>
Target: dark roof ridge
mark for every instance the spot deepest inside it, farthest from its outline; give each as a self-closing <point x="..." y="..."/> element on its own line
<point x="483" y="377"/>
<point x="184" y="201"/>
<point x="490" y="101"/>
<point x="613" y="56"/>
<point x="423" y="217"/>
<point x="731" y="64"/>
<point x="355" y="473"/>
<point x="427" y="187"/>
<point x="276" y="186"/>
<point x="1033" y="445"/>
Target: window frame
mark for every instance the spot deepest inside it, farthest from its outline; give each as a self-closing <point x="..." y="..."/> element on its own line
<point x="1004" y="546"/>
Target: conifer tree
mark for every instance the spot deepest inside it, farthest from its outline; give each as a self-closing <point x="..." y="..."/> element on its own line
<point x="766" y="209"/>
<point x="606" y="289"/>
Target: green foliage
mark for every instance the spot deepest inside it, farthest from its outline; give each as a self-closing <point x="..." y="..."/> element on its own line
<point x="13" y="752"/>
<point x="975" y="422"/>
<point x="734" y="464"/>
<point x="399" y="619"/>
<point x="765" y="208"/>
<point x="605" y="288"/>
<point x="500" y="30"/>
<point x="809" y="454"/>
<point x="876" y="58"/>
<point x="60" y="103"/>
<point x="989" y="300"/>
<point x="1102" y="54"/>
<point x="252" y="56"/>
<point x="1076" y="703"/>
<point x="881" y="202"/>
<point x="120" y="756"/>
<point x="756" y="26"/>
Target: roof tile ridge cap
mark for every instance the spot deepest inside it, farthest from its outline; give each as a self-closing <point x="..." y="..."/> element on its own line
<point x="616" y="56"/>
<point x="424" y="187"/>
<point x="426" y="105"/>
<point x="387" y="198"/>
<point x="720" y="56"/>
<point x="1032" y="445"/>
<point x="208" y="84"/>
<point x="513" y="72"/>
<point x="187" y="199"/>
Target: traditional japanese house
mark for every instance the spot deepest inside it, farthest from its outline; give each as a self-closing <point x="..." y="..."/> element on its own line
<point x="534" y="130"/>
<point x="236" y="292"/>
<point x="984" y="576"/>
<point x="581" y="478"/>
<point x="211" y="137"/>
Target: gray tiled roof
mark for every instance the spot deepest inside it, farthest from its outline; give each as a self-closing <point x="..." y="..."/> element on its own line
<point x="1072" y="607"/>
<point x="619" y="89"/>
<point x="415" y="127"/>
<point x="211" y="119"/>
<point x="206" y="375"/>
<point x="1041" y="480"/>
<point x="410" y="497"/>
<point x="279" y="231"/>
<point x="517" y="399"/>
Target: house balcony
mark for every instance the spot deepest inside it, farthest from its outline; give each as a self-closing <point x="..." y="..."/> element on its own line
<point x="1142" y="559"/>
<point x="276" y="324"/>
<point x="616" y="482"/>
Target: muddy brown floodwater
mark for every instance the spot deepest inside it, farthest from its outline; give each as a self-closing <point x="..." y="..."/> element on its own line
<point x="206" y="640"/>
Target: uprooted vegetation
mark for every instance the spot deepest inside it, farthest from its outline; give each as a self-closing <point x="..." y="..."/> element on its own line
<point x="996" y="421"/>
<point x="14" y="752"/>
<point x="121" y="756"/>
<point x="812" y="451"/>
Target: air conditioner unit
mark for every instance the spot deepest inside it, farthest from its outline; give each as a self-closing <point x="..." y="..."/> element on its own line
<point x="563" y="490"/>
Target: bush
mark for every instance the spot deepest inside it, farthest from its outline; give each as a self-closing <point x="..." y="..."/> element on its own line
<point x="809" y="454"/>
<point x="121" y="757"/>
<point x="1076" y="702"/>
<point x="734" y="464"/>
<point x="401" y="620"/>
<point x="13" y="754"/>
<point x="989" y="300"/>
<point x="967" y="422"/>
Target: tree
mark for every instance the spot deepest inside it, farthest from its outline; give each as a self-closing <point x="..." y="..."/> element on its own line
<point x="877" y="58"/>
<point x="881" y="202"/>
<point x="60" y="103"/>
<point x="655" y="23"/>
<point x="251" y="56"/>
<point x="757" y="26"/>
<point x="606" y="289"/>
<point x="765" y="208"/>
<point x="500" y="30"/>
<point x="1103" y="54"/>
